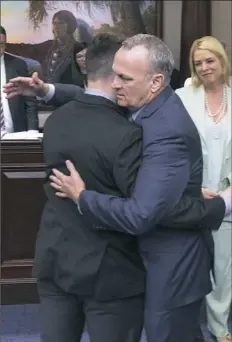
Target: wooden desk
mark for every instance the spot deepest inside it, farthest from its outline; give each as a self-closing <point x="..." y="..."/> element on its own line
<point x="22" y="201"/>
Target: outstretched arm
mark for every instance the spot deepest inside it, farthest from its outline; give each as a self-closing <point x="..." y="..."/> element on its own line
<point x="57" y="94"/>
<point x="62" y="94"/>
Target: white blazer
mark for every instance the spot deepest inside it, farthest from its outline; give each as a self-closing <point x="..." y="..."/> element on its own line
<point x="188" y="82"/>
<point x="194" y="101"/>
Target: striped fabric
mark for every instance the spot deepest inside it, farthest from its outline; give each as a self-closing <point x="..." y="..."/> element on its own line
<point x="2" y="120"/>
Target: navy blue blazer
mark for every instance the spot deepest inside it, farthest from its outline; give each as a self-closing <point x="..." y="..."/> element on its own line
<point x="178" y="259"/>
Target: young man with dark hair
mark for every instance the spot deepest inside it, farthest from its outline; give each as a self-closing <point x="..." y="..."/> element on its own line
<point x="83" y="275"/>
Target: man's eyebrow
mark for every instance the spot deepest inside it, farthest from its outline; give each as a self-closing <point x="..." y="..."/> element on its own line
<point x="125" y="76"/>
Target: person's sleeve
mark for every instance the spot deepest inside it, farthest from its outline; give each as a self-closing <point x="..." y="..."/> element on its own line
<point x="161" y="181"/>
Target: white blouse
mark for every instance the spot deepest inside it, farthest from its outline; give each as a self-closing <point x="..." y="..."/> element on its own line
<point x="216" y="135"/>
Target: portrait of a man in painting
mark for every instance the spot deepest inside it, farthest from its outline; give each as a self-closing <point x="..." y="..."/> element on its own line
<point x="68" y="22"/>
<point x="60" y="49"/>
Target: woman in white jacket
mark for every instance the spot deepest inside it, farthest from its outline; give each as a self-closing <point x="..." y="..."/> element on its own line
<point x="208" y="102"/>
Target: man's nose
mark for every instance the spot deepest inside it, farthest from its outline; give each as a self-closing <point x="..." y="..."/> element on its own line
<point x="115" y="84"/>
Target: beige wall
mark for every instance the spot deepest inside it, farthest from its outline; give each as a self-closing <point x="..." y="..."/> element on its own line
<point x="221" y="25"/>
<point x="172" y="27"/>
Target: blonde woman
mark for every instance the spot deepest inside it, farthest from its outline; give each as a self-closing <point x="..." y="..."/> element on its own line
<point x="208" y="101"/>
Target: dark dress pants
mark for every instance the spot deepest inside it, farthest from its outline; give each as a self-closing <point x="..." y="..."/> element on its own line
<point x="178" y="325"/>
<point x="63" y="317"/>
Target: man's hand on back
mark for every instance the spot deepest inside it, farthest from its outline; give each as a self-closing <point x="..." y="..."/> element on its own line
<point x="67" y="186"/>
<point x="208" y="193"/>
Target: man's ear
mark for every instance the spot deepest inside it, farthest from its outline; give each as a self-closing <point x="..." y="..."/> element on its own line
<point x="157" y="82"/>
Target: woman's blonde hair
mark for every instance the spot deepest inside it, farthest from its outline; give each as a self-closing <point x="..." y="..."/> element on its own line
<point x="213" y="45"/>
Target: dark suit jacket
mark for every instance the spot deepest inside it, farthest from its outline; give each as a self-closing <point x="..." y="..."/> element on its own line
<point x="23" y="109"/>
<point x="64" y="93"/>
<point x="106" y="149"/>
<point x="172" y="166"/>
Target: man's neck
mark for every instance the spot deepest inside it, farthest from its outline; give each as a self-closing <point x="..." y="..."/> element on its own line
<point x="102" y="86"/>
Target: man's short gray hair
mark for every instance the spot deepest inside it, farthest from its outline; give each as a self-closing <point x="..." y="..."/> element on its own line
<point x="160" y="58"/>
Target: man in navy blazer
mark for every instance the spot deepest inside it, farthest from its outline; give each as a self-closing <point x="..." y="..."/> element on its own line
<point x="179" y="260"/>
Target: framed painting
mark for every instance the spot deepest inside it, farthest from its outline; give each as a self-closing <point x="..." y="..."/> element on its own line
<point x="45" y="32"/>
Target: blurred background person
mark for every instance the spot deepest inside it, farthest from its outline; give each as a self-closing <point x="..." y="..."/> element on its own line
<point x="208" y="101"/>
<point x="60" y="51"/>
<point x="19" y="113"/>
<point x="78" y="67"/>
<point x="75" y="72"/>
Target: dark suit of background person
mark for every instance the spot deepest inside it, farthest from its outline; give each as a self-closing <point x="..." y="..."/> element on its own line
<point x="178" y="262"/>
<point x="22" y="109"/>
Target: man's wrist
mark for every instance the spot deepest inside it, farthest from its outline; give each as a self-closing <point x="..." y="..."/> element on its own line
<point x="77" y="202"/>
<point x="76" y="197"/>
<point x="43" y="91"/>
<point x="47" y="92"/>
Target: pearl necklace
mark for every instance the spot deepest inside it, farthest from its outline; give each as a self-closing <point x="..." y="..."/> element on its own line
<point x="219" y="114"/>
